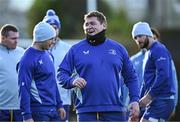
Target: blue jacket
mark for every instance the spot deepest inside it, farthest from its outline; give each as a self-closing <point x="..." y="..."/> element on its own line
<point x="38" y="89"/>
<point x="102" y="66"/>
<point x="158" y="72"/>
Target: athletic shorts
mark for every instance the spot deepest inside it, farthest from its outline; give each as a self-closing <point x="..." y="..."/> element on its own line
<point x="159" y="109"/>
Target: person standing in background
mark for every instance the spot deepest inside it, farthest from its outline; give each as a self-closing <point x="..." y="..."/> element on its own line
<point x="159" y="85"/>
<point x="138" y="61"/>
<point x="10" y="54"/>
<point x="39" y="96"/>
<point x="59" y="50"/>
<point x="157" y="37"/>
<point x="100" y="63"/>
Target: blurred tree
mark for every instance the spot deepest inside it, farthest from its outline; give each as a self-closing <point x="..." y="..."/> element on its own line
<point x="119" y="29"/>
<point x="70" y="12"/>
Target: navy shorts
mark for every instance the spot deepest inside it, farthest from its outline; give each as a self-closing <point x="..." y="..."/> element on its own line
<point x="50" y="115"/>
<point x="102" y="116"/>
<point x="159" y="109"/>
<point x="11" y="115"/>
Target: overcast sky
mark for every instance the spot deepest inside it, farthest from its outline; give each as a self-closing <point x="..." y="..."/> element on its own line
<point x="21" y="5"/>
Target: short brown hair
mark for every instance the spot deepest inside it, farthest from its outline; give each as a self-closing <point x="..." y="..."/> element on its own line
<point x="100" y="16"/>
<point x="6" y="28"/>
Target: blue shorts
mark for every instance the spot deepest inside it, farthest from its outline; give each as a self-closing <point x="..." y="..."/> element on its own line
<point x="11" y="115"/>
<point x="50" y="115"/>
<point x="159" y="109"/>
<point x="101" y="116"/>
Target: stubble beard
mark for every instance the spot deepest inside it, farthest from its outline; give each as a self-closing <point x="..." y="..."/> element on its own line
<point x="146" y="43"/>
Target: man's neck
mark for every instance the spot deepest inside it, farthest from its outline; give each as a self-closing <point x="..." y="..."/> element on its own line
<point x="36" y="46"/>
<point x="151" y="42"/>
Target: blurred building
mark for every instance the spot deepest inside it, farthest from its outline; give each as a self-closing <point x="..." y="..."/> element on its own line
<point x="12" y="12"/>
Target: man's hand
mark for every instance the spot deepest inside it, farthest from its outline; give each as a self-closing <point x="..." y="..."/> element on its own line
<point x="134" y="112"/>
<point x="62" y="113"/>
<point x="79" y="82"/>
<point x="146" y="100"/>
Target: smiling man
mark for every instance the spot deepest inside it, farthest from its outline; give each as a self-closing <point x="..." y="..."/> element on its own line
<point x="100" y="63"/>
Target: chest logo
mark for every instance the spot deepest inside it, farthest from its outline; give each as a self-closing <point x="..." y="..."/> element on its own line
<point x="40" y="61"/>
<point x="86" y="52"/>
<point x="112" y="52"/>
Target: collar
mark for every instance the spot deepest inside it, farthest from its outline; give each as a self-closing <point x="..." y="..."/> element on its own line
<point x="96" y="39"/>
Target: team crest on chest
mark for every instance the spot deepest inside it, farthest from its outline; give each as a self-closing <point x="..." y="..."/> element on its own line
<point x="112" y="51"/>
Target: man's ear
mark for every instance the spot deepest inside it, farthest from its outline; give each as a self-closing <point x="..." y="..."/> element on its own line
<point x="2" y="38"/>
<point x="104" y="25"/>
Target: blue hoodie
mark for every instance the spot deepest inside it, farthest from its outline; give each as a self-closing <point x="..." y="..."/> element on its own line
<point x="102" y="66"/>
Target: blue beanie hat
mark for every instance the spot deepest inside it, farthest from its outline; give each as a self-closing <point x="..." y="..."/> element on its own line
<point x="43" y="31"/>
<point x="52" y="18"/>
<point x="141" y="28"/>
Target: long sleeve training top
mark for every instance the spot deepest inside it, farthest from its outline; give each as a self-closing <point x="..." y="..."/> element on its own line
<point x="102" y="66"/>
<point x="158" y="72"/>
<point x="9" y="78"/>
<point x="37" y="83"/>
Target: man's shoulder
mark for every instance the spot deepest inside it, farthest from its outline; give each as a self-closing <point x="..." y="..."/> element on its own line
<point x="82" y="42"/>
<point x="159" y="49"/>
<point x="115" y="43"/>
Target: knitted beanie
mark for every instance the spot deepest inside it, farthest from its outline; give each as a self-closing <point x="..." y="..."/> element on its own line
<point x="43" y="32"/>
<point x="52" y="18"/>
<point x="141" y="28"/>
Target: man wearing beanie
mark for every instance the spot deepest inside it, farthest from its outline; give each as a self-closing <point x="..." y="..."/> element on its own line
<point x="39" y="96"/>
<point x="59" y="50"/>
<point x="157" y="74"/>
<point x="100" y="63"/>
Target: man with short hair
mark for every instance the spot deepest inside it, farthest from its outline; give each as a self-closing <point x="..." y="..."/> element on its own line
<point x="10" y="54"/>
<point x="100" y="64"/>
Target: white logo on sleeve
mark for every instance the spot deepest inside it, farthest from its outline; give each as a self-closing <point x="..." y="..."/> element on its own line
<point x="161" y="59"/>
<point x="86" y="52"/>
<point x="40" y="61"/>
